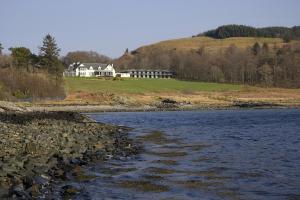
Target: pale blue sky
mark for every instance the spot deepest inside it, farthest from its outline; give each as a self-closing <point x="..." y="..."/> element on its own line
<point x="111" y="26"/>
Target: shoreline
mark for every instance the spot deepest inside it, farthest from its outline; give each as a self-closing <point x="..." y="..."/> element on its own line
<point x="165" y="104"/>
<point x="93" y="108"/>
<point x="39" y="149"/>
<point x="146" y="108"/>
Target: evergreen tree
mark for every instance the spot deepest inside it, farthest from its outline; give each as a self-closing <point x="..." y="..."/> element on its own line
<point x="227" y="31"/>
<point x="1" y="48"/>
<point x="287" y="38"/>
<point x="126" y="51"/>
<point x="49" y="53"/>
<point x="256" y="49"/>
<point x="265" y="48"/>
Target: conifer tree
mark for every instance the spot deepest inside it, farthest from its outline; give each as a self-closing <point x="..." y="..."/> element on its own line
<point x="1" y="48"/>
<point x="49" y="53"/>
<point x="256" y="48"/>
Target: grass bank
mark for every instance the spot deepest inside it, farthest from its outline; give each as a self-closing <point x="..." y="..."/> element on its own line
<point x="145" y="94"/>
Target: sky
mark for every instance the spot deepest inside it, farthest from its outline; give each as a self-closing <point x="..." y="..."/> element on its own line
<point x="111" y="26"/>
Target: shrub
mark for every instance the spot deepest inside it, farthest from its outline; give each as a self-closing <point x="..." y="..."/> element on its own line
<point x="19" y="84"/>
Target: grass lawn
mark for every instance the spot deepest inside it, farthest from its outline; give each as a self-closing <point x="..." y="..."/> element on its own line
<point x="143" y="85"/>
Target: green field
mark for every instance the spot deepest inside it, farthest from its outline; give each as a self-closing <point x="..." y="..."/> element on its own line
<point x="143" y="85"/>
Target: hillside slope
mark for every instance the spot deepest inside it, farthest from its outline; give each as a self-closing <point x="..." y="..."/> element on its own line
<point x="243" y="60"/>
<point x="209" y="43"/>
<point x="194" y="43"/>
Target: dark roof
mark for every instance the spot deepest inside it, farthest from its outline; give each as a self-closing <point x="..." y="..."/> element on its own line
<point x="146" y="70"/>
<point x="95" y="66"/>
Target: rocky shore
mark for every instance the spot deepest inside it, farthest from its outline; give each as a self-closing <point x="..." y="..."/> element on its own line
<point x="39" y="148"/>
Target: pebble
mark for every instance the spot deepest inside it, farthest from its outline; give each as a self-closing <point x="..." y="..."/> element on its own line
<point x="38" y="143"/>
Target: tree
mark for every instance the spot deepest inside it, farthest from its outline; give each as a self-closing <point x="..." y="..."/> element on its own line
<point x="287" y="38"/>
<point x="5" y="61"/>
<point x="49" y="53"/>
<point x="85" y="56"/>
<point x="35" y="60"/>
<point x="21" y="57"/>
<point x="1" y="48"/>
<point x="266" y="75"/>
<point x="265" y="48"/>
<point x="256" y="49"/>
<point x="126" y="51"/>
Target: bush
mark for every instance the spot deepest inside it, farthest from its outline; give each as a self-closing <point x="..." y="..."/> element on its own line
<point x="19" y="84"/>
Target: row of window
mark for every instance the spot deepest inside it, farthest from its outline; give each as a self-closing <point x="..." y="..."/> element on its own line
<point x="103" y="73"/>
<point x="96" y="74"/>
<point x="151" y="73"/>
<point x="151" y="76"/>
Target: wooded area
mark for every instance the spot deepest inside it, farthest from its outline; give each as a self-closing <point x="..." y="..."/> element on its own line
<point x="260" y="64"/>
<point x="247" y="31"/>
<point x="24" y="75"/>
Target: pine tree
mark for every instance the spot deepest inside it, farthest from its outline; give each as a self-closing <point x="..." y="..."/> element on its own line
<point x="256" y="49"/>
<point x="126" y="51"/>
<point x="49" y="53"/>
<point x="265" y="48"/>
<point x="1" y="48"/>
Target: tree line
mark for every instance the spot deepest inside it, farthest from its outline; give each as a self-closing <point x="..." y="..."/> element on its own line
<point x="84" y="56"/>
<point x="24" y="74"/>
<point x="22" y="58"/>
<point x="260" y="64"/>
<point x="227" y="31"/>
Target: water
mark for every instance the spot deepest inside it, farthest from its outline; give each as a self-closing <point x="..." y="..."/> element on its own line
<point x="238" y="154"/>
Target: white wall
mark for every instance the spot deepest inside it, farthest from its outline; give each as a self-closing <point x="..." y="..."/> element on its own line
<point x="90" y="72"/>
<point x="123" y="75"/>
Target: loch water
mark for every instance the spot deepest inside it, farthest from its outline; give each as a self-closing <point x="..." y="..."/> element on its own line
<point x="217" y="154"/>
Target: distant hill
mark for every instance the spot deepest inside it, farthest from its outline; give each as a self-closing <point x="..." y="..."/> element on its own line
<point x="210" y="44"/>
<point x="229" y="54"/>
<point x="228" y="31"/>
<point x="138" y="58"/>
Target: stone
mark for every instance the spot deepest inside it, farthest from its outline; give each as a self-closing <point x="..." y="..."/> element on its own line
<point x="30" y="148"/>
<point x="99" y="145"/>
<point x="35" y="145"/>
<point x="69" y="191"/>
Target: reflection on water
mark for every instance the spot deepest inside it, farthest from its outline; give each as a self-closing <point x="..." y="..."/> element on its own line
<point x="248" y="154"/>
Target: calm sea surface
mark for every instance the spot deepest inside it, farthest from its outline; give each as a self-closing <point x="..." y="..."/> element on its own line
<point x="224" y="154"/>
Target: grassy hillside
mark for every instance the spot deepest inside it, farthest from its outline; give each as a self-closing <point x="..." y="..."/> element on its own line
<point x="209" y="43"/>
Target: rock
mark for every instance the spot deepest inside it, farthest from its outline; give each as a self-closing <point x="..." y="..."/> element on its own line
<point x="168" y="104"/>
<point x="41" y="180"/>
<point x="34" y="190"/>
<point x="4" y="193"/>
<point x="18" y="192"/>
<point x="68" y="191"/>
<point x="8" y="106"/>
<point x="250" y="104"/>
<point x="99" y="145"/>
<point x="36" y="144"/>
<point x="168" y="101"/>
